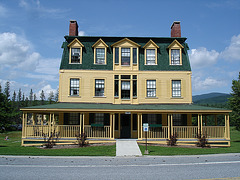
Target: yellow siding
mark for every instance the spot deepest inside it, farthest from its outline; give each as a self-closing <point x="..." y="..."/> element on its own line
<point x="87" y="86"/>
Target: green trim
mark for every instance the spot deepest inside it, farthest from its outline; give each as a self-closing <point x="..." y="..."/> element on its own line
<point x="155" y="125"/>
<point x="97" y="125"/>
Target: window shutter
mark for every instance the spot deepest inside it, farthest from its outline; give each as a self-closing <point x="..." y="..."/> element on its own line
<point x="159" y="119"/>
<point x="184" y="119"/>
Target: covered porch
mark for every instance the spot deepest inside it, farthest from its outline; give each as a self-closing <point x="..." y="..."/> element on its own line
<point x="107" y="122"/>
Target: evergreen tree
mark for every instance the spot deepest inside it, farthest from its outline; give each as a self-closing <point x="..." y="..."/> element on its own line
<point x="34" y="100"/>
<point x="31" y="97"/>
<point x="51" y="97"/>
<point x="234" y="103"/>
<point x="14" y="99"/>
<point x="7" y="90"/>
<point x="19" y="97"/>
<point x="0" y="88"/>
<point x="42" y="97"/>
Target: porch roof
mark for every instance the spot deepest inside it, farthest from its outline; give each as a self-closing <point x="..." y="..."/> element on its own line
<point x="95" y="107"/>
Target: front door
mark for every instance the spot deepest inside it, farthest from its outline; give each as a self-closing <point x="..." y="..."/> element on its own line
<point x="125" y="126"/>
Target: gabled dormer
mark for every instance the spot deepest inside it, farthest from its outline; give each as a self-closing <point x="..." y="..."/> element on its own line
<point x="175" y="53"/>
<point x="100" y="52"/>
<point x="75" y="52"/>
<point x="150" y="53"/>
<point x="126" y="54"/>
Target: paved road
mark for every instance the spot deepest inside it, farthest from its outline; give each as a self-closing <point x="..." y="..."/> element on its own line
<point x="164" y="167"/>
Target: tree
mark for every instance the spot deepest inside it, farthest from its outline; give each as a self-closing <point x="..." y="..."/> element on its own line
<point x="7" y="90"/>
<point x="234" y="103"/>
<point x="0" y="88"/>
<point x="51" y="97"/>
<point x="34" y="100"/>
<point x="19" y="98"/>
<point x="31" y="97"/>
<point x="42" y="97"/>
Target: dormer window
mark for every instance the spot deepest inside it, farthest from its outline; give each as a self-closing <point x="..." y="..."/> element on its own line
<point x="175" y="56"/>
<point x="100" y="56"/>
<point x="75" y="55"/>
<point x="125" y="55"/>
<point x="150" y="53"/>
<point x="175" y="53"/>
<point x="150" y="57"/>
<point x="100" y="52"/>
<point x="75" y="52"/>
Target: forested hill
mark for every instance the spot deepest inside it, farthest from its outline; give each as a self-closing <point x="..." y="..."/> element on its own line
<point x="211" y="98"/>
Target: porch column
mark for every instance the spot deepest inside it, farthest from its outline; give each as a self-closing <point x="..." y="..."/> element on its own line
<point x="169" y="125"/>
<point x="83" y="121"/>
<point x="25" y="123"/>
<point x="34" y="118"/>
<point x="139" y="127"/>
<point x="23" y="126"/>
<point x="227" y="130"/>
<point x="80" y="130"/>
<point x="113" y="125"/>
<point x="200" y="124"/>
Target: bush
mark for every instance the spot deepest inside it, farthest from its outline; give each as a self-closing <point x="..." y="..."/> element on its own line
<point x="173" y="140"/>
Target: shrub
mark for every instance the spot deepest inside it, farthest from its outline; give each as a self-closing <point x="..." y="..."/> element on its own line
<point x="173" y="140"/>
<point x="81" y="139"/>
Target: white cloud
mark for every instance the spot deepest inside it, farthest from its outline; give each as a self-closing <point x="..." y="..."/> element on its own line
<point x="46" y="89"/>
<point x="208" y="83"/>
<point x="15" y="52"/>
<point x="81" y="33"/>
<point x="36" y="9"/>
<point x="201" y="57"/>
<point x="232" y="52"/>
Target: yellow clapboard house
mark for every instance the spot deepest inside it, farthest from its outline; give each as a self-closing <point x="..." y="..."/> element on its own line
<point x="110" y="86"/>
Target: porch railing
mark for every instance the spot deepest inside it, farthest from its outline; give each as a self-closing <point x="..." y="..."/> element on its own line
<point x="97" y="132"/>
<point x="66" y="131"/>
<point x="214" y="131"/>
<point x="157" y="133"/>
<point x="185" y="131"/>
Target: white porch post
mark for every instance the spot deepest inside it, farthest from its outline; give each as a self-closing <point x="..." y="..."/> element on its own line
<point x="228" y="126"/>
<point x="169" y="125"/>
<point x="141" y="125"/>
<point x="227" y="130"/>
<point x="23" y="126"/>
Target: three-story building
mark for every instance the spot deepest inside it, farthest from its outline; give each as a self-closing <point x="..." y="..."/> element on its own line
<point x="110" y="86"/>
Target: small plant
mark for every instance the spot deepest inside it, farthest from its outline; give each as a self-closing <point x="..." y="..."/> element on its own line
<point x="81" y="139"/>
<point x="173" y="140"/>
<point x="51" y="140"/>
<point x="202" y="141"/>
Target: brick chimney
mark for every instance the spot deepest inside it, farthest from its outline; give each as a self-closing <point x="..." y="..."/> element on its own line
<point x="73" y="28"/>
<point x="176" y="29"/>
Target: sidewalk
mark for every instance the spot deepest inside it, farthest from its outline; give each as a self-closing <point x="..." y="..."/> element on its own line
<point x="125" y="147"/>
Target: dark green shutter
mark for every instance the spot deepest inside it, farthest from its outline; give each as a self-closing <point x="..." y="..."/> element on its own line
<point x="106" y="119"/>
<point x="91" y="118"/>
<point x="66" y="118"/>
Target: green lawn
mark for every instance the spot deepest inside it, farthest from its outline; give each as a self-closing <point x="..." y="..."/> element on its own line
<point x="13" y="147"/>
<point x="158" y="150"/>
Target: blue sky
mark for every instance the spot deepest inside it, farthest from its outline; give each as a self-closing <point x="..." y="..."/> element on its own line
<point x="32" y="32"/>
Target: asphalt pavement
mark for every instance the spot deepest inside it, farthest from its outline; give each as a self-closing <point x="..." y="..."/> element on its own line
<point x="146" y="167"/>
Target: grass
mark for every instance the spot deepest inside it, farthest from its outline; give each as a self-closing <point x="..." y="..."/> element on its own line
<point x="162" y="151"/>
<point x="13" y="147"/>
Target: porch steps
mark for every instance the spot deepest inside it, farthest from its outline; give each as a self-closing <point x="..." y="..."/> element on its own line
<point x="127" y="147"/>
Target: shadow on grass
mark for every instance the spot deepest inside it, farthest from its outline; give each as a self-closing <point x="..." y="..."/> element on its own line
<point x="3" y="146"/>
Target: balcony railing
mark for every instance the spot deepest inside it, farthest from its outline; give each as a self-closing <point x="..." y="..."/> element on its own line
<point x="157" y="133"/>
<point x="213" y="131"/>
<point x="186" y="131"/>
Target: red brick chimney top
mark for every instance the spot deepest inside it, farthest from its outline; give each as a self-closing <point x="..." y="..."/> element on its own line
<point x="176" y="29"/>
<point x="73" y="28"/>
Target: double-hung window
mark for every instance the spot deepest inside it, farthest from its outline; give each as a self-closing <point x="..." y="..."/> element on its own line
<point x="99" y="87"/>
<point x="75" y="55"/>
<point x="175" y="56"/>
<point x="100" y="55"/>
<point x="125" y="92"/>
<point x="151" y="88"/>
<point x="99" y="118"/>
<point x="176" y="88"/>
<point x="74" y="87"/>
<point x="150" y="57"/>
<point x="125" y="54"/>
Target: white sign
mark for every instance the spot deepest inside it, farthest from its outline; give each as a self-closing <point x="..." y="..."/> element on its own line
<point x="127" y="112"/>
<point x="145" y="127"/>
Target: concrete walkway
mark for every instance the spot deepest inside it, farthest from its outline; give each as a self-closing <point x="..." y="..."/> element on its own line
<point x="127" y="147"/>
